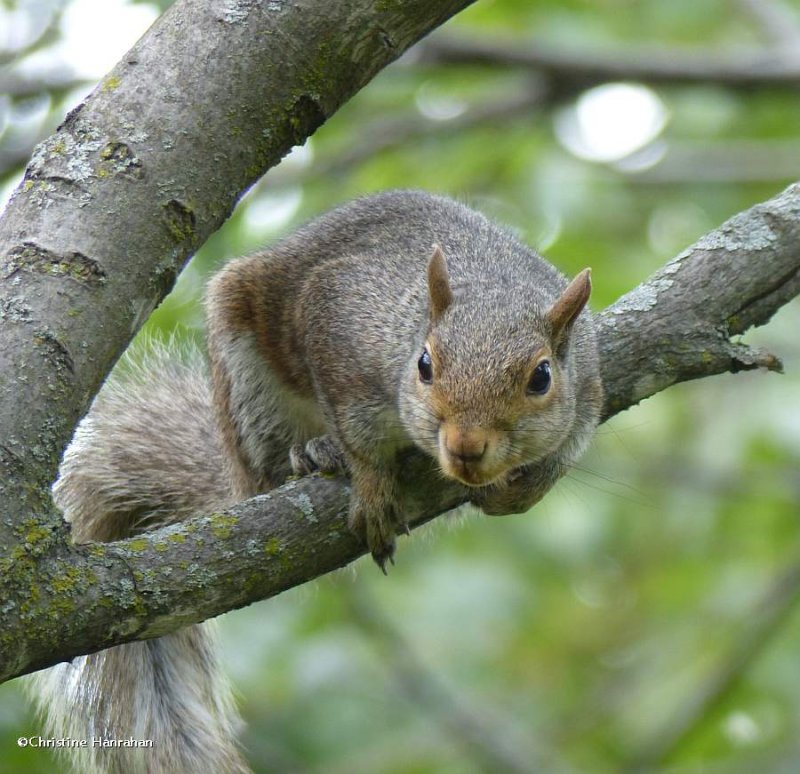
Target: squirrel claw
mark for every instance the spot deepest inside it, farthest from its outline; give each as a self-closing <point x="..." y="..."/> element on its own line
<point x="382" y="553"/>
<point x="381" y="558"/>
<point x="373" y="518"/>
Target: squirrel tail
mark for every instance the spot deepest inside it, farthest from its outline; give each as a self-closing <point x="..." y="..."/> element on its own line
<point x="145" y="455"/>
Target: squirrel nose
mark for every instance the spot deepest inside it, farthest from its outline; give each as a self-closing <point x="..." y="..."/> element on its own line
<point x="466" y="445"/>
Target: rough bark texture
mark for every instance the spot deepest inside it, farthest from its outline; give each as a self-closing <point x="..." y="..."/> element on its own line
<point x="673" y="327"/>
<point x="678" y="325"/>
<point x="141" y="174"/>
<point x="110" y="208"/>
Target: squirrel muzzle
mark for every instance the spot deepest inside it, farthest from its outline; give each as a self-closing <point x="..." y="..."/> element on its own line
<point x="468" y="454"/>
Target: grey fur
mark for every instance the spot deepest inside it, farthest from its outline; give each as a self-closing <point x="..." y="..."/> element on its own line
<point x="340" y="313"/>
<point x="314" y="347"/>
<point x="146" y="454"/>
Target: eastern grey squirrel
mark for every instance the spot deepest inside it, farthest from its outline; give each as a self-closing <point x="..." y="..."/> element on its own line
<point x="399" y="319"/>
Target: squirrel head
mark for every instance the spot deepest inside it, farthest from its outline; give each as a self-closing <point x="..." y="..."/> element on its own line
<point x="493" y="385"/>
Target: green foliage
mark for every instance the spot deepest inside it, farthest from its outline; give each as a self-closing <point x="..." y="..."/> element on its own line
<point x="587" y="633"/>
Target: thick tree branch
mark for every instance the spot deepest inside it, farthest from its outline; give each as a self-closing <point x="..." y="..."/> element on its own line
<point x="110" y="209"/>
<point x="674" y="327"/>
<point x="678" y="325"/>
<point x="140" y="175"/>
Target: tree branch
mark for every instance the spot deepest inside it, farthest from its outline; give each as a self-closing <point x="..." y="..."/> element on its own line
<point x="724" y="161"/>
<point x="146" y="156"/>
<point x="140" y="175"/>
<point x="487" y="736"/>
<point x="678" y="325"/>
<point x="574" y="70"/>
<point x="674" y="327"/>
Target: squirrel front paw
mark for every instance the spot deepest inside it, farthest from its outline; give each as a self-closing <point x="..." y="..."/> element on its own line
<point x="321" y="454"/>
<point x="376" y="528"/>
<point x="374" y="515"/>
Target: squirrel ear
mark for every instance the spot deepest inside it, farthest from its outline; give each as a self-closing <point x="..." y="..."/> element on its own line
<point x="438" y="284"/>
<point x="569" y="305"/>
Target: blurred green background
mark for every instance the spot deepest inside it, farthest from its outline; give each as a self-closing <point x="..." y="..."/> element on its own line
<point x="643" y="616"/>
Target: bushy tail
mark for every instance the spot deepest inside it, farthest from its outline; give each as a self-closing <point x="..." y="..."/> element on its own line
<point x="146" y="454"/>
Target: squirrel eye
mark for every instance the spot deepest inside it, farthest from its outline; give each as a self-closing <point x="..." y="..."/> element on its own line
<point x="540" y="379"/>
<point x="425" y="367"/>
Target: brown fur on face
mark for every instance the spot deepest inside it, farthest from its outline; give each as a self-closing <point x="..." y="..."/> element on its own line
<point x="478" y="444"/>
<point x="338" y="313"/>
<point x="321" y="335"/>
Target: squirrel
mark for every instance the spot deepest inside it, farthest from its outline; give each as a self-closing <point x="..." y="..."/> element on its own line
<point x="399" y="320"/>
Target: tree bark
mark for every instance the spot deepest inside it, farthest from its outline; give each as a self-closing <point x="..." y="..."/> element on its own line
<point x="114" y="203"/>
<point x="141" y="174"/>
<point x="674" y="327"/>
<point x="148" y="156"/>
